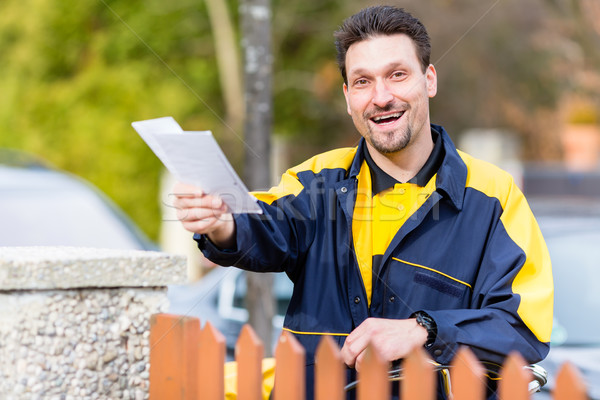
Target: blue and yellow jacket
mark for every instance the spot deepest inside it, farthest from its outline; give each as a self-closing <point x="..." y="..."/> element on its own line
<point x="471" y="256"/>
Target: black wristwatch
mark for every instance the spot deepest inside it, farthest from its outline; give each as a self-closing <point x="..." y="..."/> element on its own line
<point x="428" y="323"/>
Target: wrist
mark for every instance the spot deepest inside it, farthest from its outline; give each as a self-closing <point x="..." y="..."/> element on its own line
<point x="224" y="236"/>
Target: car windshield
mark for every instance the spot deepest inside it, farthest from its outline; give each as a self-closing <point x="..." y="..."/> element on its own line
<point x="574" y="246"/>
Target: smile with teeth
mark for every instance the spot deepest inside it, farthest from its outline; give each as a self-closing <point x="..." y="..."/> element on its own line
<point x="388" y="118"/>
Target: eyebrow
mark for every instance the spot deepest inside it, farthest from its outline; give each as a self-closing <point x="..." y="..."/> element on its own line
<point x="364" y="71"/>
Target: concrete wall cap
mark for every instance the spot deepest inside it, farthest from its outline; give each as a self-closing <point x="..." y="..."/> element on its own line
<point x="35" y="268"/>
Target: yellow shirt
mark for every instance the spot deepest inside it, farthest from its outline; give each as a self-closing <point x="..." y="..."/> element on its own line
<point x="377" y="218"/>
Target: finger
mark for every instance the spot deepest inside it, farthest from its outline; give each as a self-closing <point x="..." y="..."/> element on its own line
<point x="198" y="214"/>
<point x="359" y="361"/>
<point x="186" y="190"/>
<point x="206" y="225"/>
<point x="351" y="350"/>
<point x="360" y="330"/>
<point x="180" y="187"/>
<point x="206" y="201"/>
<point x="202" y="227"/>
<point x="358" y="340"/>
<point x="348" y="358"/>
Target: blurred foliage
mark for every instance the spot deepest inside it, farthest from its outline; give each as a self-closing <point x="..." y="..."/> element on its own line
<point x="76" y="74"/>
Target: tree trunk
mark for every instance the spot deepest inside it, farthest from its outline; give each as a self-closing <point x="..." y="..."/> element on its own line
<point x="256" y="42"/>
<point x="228" y="62"/>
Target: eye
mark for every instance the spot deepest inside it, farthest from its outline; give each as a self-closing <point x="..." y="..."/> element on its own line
<point x="398" y="74"/>
<point x="360" y="82"/>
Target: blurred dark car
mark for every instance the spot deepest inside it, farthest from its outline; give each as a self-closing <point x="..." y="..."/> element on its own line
<point x="219" y="297"/>
<point x="571" y="227"/>
<point x="42" y="206"/>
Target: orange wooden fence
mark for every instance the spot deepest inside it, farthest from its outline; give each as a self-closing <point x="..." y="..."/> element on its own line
<point x="187" y="362"/>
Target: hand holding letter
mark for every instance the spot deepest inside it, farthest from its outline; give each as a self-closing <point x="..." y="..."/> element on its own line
<point x="204" y="214"/>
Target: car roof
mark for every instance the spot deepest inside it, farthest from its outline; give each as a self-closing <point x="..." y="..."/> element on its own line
<point x="40" y="206"/>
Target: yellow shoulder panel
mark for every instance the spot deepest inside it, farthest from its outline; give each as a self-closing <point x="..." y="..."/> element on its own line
<point x="290" y="185"/>
<point x="487" y="178"/>
<point x="533" y="283"/>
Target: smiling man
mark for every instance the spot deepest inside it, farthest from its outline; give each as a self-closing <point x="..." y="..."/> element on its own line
<point x="402" y="241"/>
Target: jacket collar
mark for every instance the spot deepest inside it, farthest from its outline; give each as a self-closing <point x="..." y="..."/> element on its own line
<point x="358" y="159"/>
<point x="451" y="176"/>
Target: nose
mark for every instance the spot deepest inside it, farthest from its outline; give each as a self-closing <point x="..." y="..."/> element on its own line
<point x="382" y="94"/>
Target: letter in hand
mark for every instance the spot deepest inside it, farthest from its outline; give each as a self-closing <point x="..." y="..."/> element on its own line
<point x="204" y="214"/>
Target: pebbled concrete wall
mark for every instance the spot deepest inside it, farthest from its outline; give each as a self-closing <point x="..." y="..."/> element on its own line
<point x="74" y="322"/>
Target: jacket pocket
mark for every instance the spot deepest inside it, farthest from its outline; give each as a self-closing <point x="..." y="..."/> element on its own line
<point x="443" y="286"/>
<point x="421" y="287"/>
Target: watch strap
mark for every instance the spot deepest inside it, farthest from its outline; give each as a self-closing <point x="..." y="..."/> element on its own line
<point x="429" y="324"/>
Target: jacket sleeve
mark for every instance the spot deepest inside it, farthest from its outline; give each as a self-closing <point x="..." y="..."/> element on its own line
<point x="512" y="303"/>
<point x="275" y="240"/>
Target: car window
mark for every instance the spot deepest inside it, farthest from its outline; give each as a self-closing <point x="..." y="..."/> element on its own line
<point x="282" y="291"/>
<point x="239" y="296"/>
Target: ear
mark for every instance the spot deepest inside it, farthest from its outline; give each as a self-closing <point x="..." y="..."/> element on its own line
<point x="431" y="76"/>
<point x="345" y="87"/>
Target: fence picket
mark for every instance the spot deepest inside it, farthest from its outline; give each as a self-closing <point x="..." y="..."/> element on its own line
<point x="569" y="384"/>
<point x="373" y="381"/>
<point x="468" y="376"/>
<point x="174" y="355"/>
<point x="514" y="379"/>
<point x="187" y="362"/>
<point x="211" y="384"/>
<point x="249" y="352"/>
<point x="290" y="372"/>
<point x="330" y="372"/>
<point x="419" y="380"/>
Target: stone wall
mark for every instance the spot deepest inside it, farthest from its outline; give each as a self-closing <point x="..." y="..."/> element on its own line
<point x="74" y="322"/>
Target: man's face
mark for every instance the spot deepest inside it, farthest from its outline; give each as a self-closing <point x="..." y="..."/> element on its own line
<point x="387" y="92"/>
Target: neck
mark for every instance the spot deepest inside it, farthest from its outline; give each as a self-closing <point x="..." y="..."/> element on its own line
<point x="403" y="165"/>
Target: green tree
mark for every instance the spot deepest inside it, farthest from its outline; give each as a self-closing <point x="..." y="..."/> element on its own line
<point x="76" y="74"/>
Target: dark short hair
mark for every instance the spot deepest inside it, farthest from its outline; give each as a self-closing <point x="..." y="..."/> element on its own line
<point x="376" y="21"/>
